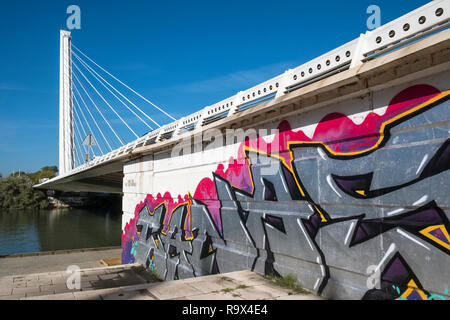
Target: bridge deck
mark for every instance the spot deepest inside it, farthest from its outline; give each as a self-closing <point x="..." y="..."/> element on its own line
<point x="427" y="56"/>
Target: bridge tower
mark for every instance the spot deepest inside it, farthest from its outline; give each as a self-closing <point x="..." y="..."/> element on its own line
<point x="66" y="133"/>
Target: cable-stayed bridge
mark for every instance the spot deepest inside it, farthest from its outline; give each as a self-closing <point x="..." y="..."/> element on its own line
<point x="342" y="180"/>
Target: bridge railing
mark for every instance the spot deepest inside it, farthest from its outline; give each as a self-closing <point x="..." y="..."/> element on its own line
<point x="423" y="21"/>
<point x="418" y="23"/>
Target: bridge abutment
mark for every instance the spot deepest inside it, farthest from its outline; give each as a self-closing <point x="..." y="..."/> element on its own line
<point x="350" y="195"/>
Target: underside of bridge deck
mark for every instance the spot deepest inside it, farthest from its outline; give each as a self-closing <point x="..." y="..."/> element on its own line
<point x="107" y="179"/>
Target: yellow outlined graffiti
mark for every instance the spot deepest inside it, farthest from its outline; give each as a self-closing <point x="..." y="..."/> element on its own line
<point x="294" y="175"/>
<point x="382" y="131"/>
<point x="412" y="286"/>
<point x="187" y="220"/>
<point x="441" y="227"/>
<point x="154" y="210"/>
<point x="290" y="144"/>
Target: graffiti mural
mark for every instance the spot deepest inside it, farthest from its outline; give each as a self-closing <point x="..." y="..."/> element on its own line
<point x="355" y="211"/>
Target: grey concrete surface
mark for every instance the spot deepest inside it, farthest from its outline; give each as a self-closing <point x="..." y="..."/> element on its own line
<point x="55" y="261"/>
<point x="124" y="282"/>
<point x="240" y="285"/>
<point x="59" y="284"/>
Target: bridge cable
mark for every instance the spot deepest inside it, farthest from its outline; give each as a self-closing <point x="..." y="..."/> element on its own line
<point x="90" y="98"/>
<point x="80" y="150"/>
<point x="80" y="145"/>
<point x="87" y="122"/>
<point x="92" y="71"/>
<point x="85" y="105"/>
<point x="95" y="89"/>
<point x="92" y="117"/>
<point x="86" y="148"/>
<point x="77" y="156"/>
<point x="76" y="130"/>
<point x="82" y="127"/>
<point x="139" y="95"/>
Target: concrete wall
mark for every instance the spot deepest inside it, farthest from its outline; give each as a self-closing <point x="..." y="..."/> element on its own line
<point x="351" y="197"/>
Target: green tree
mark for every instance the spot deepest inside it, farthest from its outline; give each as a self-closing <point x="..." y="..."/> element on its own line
<point x="53" y="169"/>
<point x="45" y="172"/>
<point x="16" y="192"/>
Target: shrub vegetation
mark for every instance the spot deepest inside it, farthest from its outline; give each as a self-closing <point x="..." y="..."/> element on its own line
<point x="16" y="190"/>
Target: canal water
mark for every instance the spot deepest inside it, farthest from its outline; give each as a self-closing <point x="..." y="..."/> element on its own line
<point x="29" y="231"/>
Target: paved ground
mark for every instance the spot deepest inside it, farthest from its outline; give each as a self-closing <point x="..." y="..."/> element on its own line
<point x="56" y="283"/>
<point x="55" y="261"/>
<point x="44" y="277"/>
<point x="132" y="282"/>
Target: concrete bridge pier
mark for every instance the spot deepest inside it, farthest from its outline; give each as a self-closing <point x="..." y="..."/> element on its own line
<point x="350" y="195"/>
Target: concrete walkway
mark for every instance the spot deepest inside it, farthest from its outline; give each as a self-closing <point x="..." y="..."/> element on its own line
<point x="132" y="282"/>
<point x="54" y="285"/>
<point x="55" y="261"/>
<point x="49" y="281"/>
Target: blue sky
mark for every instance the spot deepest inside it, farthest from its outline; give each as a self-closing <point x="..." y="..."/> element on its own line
<point x="182" y="55"/>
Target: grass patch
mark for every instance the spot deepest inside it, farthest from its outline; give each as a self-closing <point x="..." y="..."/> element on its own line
<point x="290" y="282"/>
<point x="229" y="290"/>
<point x="242" y="286"/>
<point x="223" y="278"/>
<point x="155" y="275"/>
